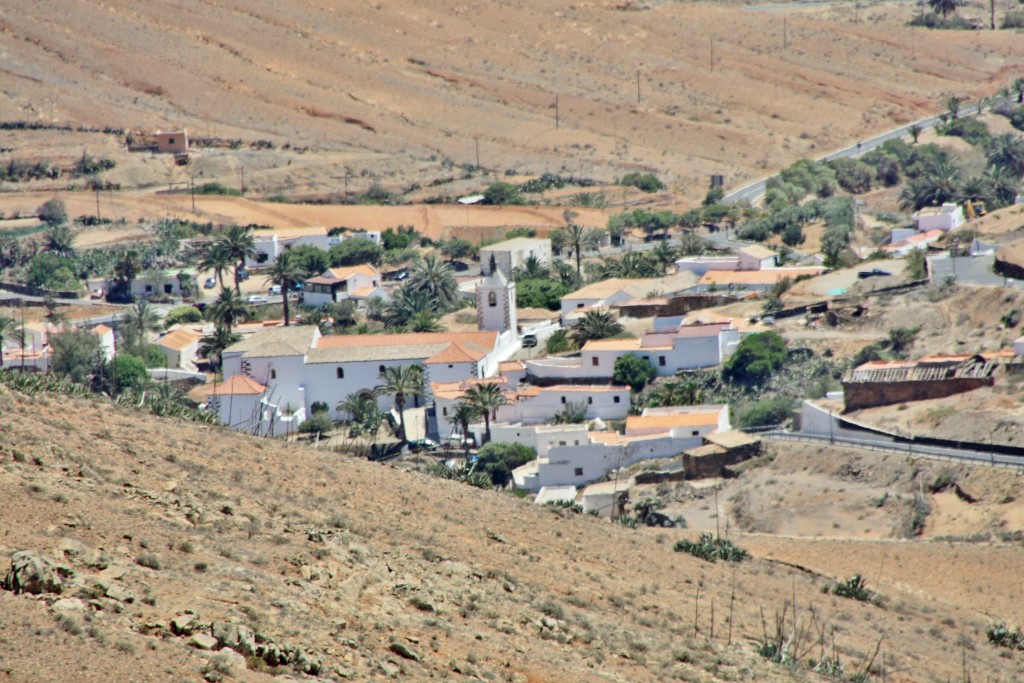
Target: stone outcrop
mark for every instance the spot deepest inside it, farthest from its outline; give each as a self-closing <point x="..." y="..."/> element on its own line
<point x="35" y="574"/>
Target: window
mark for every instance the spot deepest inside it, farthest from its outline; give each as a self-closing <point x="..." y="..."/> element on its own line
<point x="590" y="400"/>
<point x="273" y="374"/>
<point x="561" y="443"/>
<point x="578" y="471"/>
<point x="168" y="289"/>
<point x="661" y="361"/>
<point x="444" y="411"/>
<point x="579" y="305"/>
<point x="576" y="442"/>
<point x="170" y="141"/>
<point x="594" y="361"/>
<point x="616" y="399"/>
<point x="563" y="399"/>
<point x="450" y="366"/>
<point x="340" y="372"/>
<point x="381" y="369"/>
<point x="695" y="433"/>
<point x="492" y="299"/>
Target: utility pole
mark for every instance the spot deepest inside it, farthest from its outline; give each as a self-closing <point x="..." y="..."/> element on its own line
<point x="97" y="202"/>
<point x="556" y="112"/>
<point x="785" y="35"/>
<point x="638" y="86"/>
<point x="711" y="58"/>
<point x="477" y="140"/>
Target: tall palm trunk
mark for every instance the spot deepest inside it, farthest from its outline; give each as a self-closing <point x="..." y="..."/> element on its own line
<point x="285" y="286"/>
<point x="400" y="404"/>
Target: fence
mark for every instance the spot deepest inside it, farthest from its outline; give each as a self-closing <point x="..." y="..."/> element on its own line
<point x="909" y="448"/>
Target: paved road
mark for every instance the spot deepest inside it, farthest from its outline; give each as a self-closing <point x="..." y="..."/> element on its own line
<point x="909" y="449"/>
<point x="750" y="193"/>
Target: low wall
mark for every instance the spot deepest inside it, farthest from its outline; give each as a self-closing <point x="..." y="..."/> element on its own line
<point x="679" y="305"/>
<point x="35" y="291"/>
<point x="860" y="395"/>
<point x="714" y="464"/>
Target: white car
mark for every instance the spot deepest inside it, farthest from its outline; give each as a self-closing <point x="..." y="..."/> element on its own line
<point x="275" y="290"/>
<point x="256" y="299"/>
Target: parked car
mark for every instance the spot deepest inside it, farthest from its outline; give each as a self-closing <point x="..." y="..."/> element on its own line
<point x="874" y="272"/>
<point x="210" y="283"/>
<point x="243" y="275"/>
<point x="529" y="341"/>
<point x="402" y="276"/>
<point x="256" y="299"/>
<point x="96" y="294"/>
<point x="274" y="290"/>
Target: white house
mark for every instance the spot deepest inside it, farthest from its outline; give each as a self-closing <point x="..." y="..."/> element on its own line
<point x="180" y="347"/>
<point x="270" y="244"/>
<point x="245" y="405"/>
<point x="663" y="433"/>
<point x="756" y="257"/>
<point x="511" y="254"/>
<point x="612" y="291"/>
<point x="689" y="346"/>
<point x="359" y="283"/>
<point x="918" y="241"/>
<point x="603" y="498"/>
<point x="532" y="405"/>
<point x="698" y="265"/>
<point x="299" y="366"/>
<point x="946" y="217"/>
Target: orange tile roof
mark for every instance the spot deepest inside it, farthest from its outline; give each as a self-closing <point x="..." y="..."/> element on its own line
<point x="456" y="353"/>
<point x="666" y="422"/>
<point x="453" y="391"/>
<point x="178" y="339"/>
<point x="101" y="330"/>
<point x="612" y="345"/>
<point x="348" y="271"/>
<point x="482" y="339"/>
<point x="362" y="292"/>
<point x="237" y="385"/>
<point x="511" y="366"/>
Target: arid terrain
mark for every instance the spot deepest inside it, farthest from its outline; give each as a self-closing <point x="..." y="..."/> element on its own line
<point x="402" y="92"/>
<point x="381" y="573"/>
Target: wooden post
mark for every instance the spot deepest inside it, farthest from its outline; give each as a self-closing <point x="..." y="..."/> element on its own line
<point x="696" y="606"/>
<point x="556" y="112"/>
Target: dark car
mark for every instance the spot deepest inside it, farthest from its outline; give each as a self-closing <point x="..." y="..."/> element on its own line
<point x="874" y="272"/>
<point x="529" y="341"/>
<point x="210" y="283"/>
<point x="243" y="275"/>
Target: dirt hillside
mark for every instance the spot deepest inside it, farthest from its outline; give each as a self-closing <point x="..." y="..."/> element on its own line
<point x="377" y="573"/>
<point x="403" y="90"/>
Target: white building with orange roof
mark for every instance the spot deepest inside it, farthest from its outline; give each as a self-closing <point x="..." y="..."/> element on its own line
<point x="245" y="405"/>
<point x="534" y="405"/>
<point x="689" y="346"/>
<point x="359" y="283"/>
<point x="657" y="433"/>
<point x="180" y="347"/>
<point x="300" y="366"/>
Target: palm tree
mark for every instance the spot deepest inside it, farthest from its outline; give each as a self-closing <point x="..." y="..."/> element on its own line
<point x="595" y="325"/>
<point x="564" y="274"/>
<point x="952" y="103"/>
<point x="463" y="414"/>
<point x="241" y="245"/>
<point x="405" y="305"/>
<point x="213" y="345"/>
<point x="938" y="185"/>
<point x="1018" y="87"/>
<point x="424" y="321"/>
<point x="632" y="264"/>
<point x="217" y="258"/>
<point x="60" y="240"/>
<point x="436" y="278"/>
<point x="664" y="255"/>
<point x="228" y="309"/>
<point x="617" y="227"/>
<point x="1007" y="152"/>
<point x="142" y="319"/>
<point x="915" y="131"/>
<point x="1002" y="185"/>
<point x="484" y="400"/>
<point x="575" y="235"/>
<point x="402" y="382"/>
<point x="532" y="269"/>
<point x="285" y="272"/>
<point x="8" y="328"/>
<point x="364" y="414"/>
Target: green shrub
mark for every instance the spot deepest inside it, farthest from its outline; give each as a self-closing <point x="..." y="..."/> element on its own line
<point x="647" y="182"/>
<point x="217" y="188"/>
<point x="970" y="129"/>
<point x="854" y="588"/>
<point x="319" y="424"/>
<point x="183" y="314"/>
<point x="709" y="548"/>
<point x="1002" y="635"/>
<point x="1013" y="20"/>
<point x="769" y="411"/>
<point x="149" y="560"/>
